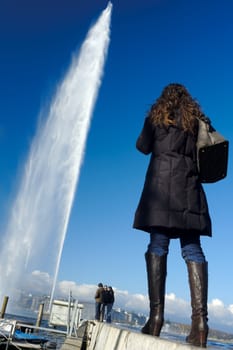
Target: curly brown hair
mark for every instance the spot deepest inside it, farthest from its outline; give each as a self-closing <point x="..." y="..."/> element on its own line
<point x="175" y="101"/>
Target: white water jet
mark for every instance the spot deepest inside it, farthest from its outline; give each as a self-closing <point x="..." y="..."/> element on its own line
<point x="40" y="214"/>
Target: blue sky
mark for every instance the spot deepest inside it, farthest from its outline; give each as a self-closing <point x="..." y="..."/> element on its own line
<point x="152" y="44"/>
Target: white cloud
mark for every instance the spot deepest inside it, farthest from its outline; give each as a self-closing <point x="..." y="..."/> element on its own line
<point x="230" y="308"/>
<point x="131" y="302"/>
<point x="220" y="313"/>
<point x="177" y="306"/>
<point x="217" y="303"/>
<point x="37" y="282"/>
<point x="81" y="292"/>
<point x="41" y="275"/>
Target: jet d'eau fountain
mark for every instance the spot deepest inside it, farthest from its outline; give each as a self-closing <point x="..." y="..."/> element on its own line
<point x="40" y="213"/>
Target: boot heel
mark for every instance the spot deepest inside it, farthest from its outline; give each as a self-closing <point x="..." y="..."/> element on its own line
<point x="203" y="338"/>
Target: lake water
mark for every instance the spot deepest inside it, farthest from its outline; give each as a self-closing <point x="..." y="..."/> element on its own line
<point x="211" y="344"/>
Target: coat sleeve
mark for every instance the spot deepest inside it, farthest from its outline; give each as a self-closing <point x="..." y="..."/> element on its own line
<point x="145" y="140"/>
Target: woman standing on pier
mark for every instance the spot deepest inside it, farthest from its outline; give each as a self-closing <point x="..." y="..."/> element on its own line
<point x="173" y="205"/>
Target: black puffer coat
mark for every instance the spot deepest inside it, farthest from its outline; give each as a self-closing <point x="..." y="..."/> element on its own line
<point x="173" y="199"/>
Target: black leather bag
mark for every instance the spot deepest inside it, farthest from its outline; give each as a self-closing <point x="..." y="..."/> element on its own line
<point x="212" y="153"/>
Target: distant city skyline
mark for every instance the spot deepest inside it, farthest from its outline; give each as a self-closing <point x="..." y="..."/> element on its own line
<point x="176" y="309"/>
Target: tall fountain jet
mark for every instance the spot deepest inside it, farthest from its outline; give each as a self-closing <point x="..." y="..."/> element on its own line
<point x="40" y="213"/>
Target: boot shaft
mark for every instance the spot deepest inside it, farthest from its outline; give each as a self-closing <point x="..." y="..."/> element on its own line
<point x="156" y="276"/>
<point x="198" y="282"/>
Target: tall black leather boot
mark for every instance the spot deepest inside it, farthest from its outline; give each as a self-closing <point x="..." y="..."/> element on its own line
<point x="156" y="274"/>
<point x="198" y="281"/>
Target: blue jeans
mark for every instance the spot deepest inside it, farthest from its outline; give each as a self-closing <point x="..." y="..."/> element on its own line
<point x="190" y="246"/>
<point x="98" y="309"/>
<point x="109" y="312"/>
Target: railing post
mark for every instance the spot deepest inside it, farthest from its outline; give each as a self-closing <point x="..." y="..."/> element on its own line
<point x="40" y="315"/>
<point x="4" y="305"/>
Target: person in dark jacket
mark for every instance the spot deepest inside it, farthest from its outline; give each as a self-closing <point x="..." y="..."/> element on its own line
<point x="110" y="302"/>
<point x="107" y="303"/>
<point x="99" y="302"/>
<point x="173" y="205"/>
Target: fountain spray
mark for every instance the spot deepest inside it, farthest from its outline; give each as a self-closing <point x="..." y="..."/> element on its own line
<point x="40" y="213"/>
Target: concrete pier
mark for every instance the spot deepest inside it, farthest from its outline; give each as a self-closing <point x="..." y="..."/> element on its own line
<point x="102" y="336"/>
